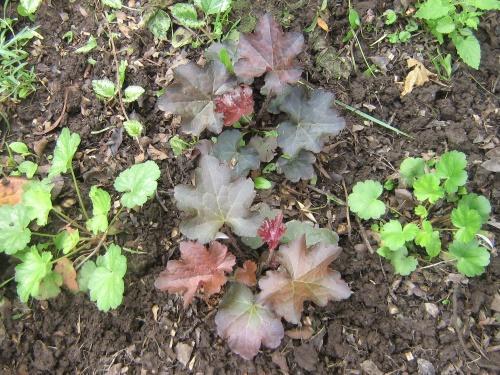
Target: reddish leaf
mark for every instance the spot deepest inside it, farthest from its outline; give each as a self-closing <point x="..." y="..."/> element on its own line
<point x="272" y="230"/>
<point x="269" y="50"/>
<point x="11" y="190"/>
<point x="198" y="268"/>
<point x="234" y="104"/>
<point x="305" y="277"/>
<point x="65" y="268"/>
<point x="246" y="275"/>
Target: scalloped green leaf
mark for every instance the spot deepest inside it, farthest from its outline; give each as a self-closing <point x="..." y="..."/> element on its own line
<point x="429" y="239"/>
<point x="14" y="231"/>
<point x="31" y="271"/>
<point x="394" y="236"/>
<point x="66" y="146"/>
<point x="471" y="258"/>
<point x="138" y="183"/>
<point x="467" y="221"/>
<point x="427" y="187"/>
<point x="451" y="167"/>
<point x="364" y="200"/>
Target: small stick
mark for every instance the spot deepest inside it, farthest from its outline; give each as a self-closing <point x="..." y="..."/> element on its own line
<point x="59" y="119"/>
<point x="364" y="236"/>
<point x="349" y="228"/>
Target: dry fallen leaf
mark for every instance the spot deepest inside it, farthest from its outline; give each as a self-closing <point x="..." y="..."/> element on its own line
<point x="65" y="268"/>
<point x="11" y="190"/>
<point x="417" y="77"/>
<point x="322" y="24"/>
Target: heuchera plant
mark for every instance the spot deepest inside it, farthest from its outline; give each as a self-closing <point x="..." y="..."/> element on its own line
<point x="46" y="266"/>
<point x="438" y="186"/>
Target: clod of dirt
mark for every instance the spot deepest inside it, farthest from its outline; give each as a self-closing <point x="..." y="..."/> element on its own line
<point x="431" y="309"/>
<point x="425" y="367"/>
<point x="43" y="359"/>
<point x="306" y="356"/>
<point x="370" y="368"/>
<point x="183" y="353"/>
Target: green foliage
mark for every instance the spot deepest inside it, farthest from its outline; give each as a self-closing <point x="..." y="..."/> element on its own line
<point x="38" y="200"/>
<point x="402" y="263"/>
<point x="262" y="183"/>
<point x="210" y="7"/>
<point x="101" y="202"/>
<point x="132" y="93"/>
<point x="115" y="4"/>
<point x="14" y="234"/>
<point x="471" y="258"/>
<point x="186" y="15"/>
<point x="133" y="128"/>
<point x="67" y="240"/>
<point x="66" y="146"/>
<point x="390" y="17"/>
<point x="27" y="8"/>
<point x="19" y="148"/>
<point x="451" y="167"/>
<point x="159" y="23"/>
<point x="429" y="239"/>
<point x="410" y="169"/>
<point x="478" y="203"/>
<point x="468" y="222"/>
<point x="394" y="236"/>
<point x="89" y="46"/>
<point x="28" y="168"/>
<point x="31" y="271"/>
<point x="138" y="183"/>
<point x="104" y="88"/>
<point x="427" y="187"/>
<point x="364" y="200"/>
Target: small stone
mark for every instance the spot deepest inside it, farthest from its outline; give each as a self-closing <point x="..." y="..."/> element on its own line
<point x="431" y="309"/>
<point x="409" y="356"/>
<point x="183" y="353"/>
<point x="425" y="367"/>
<point x="393" y="310"/>
<point x="370" y="368"/>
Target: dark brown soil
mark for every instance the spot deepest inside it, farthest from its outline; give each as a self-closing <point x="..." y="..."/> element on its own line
<point x="389" y="325"/>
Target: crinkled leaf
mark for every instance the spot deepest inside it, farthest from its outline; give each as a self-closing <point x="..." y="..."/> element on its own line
<point x="38" y="200"/>
<point x="394" y="236"/>
<point x="14" y="234"/>
<point x="471" y="258"/>
<point x="50" y="286"/>
<point x="64" y="267"/>
<point x="469" y="50"/>
<point x="67" y="240"/>
<point x="402" y="263"/>
<point x="421" y="211"/>
<point x="186" y="15"/>
<point x="299" y="167"/>
<point x="215" y="201"/>
<point x="104" y="88"/>
<point x="132" y="93"/>
<point x="101" y="202"/>
<point x="31" y="271"/>
<point x="133" y="128"/>
<point x="304" y="276"/>
<point x="246" y="274"/>
<point x="468" y="222"/>
<point x="410" y="169"/>
<point x="434" y="9"/>
<point x="272" y="230"/>
<point x="235" y="104"/>
<point x="159" y="24"/>
<point x="427" y="187"/>
<point x="311" y="121"/>
<point x="295" y="229"/>
<point x="213" y="6"/>
<point x="451" y="167"/>
<point x="193" y="93"/>
<point x="198" y="268"/>
<point x="246" y="324"/>
<point x="28" y="168"/>
<point x="85" y="274"/>
<point x="484" y="4"/>
<point x="106" y="284"/>
<point x="265" y="147"/>
<point x="428" y="239"/>
<point x="138" y="183"/>
<point x="478" y="203"/>
<point x="66" y="146"/>
<point x="241" y="159"/>
<point x="11" y="190"/>
<point x="269" y="50"/>
<point x="364" y="200"/>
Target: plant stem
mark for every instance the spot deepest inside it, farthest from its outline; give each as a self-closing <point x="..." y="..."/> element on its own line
<point x="70" y="221"/>
<point x="6" y="282"/>
<point x="43" y="234"/>
<point x="80" y="200"/>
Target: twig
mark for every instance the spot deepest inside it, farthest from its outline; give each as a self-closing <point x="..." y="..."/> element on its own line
<point x="349" y="228"/>
<point x="61" y="116"/>
<point x="161" y="203"/>
<point x="364" y="236"/>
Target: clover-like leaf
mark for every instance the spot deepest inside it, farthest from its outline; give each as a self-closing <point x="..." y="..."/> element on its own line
<point x="402" y="263"/>
<point x="38" y="200"/>
<point x="193" y="93"/>
<point x="66" y="146"/>
<point x="410" y="169"/>
<point x="101" y="203"/>
<point x="31" y="271"/>
<point x="228" y="148"/>
<point x="198" y="268"/>
<point x="428" y="239"/>
<point x="394" y="236"/>
<point x="468" y="222"/>
<point x="478" y="203"/>
<point x="311" y="121"/>
<point x="304" y="276"/>
<point x="14" y="231"/>
<point x="299" y="167"/>
<point x="67" y="240"/>
<point x="471" y="258"/>
<point x="269" y="50"/>
<point x="295" y="229"/>
<point x="364" y="200"/>
<point x="216" y="200"/>
<point x="247" y="324"/>
<point x="106" y="284"/>
<point x="451" y="167"/>
<point x="104" y="88"/>
<point x="132" y="93"/>
<point x="138" y="183"/>
<point x="235" y="104"/>
<point x="427" y="187"/>
<point x="186" y="15"/>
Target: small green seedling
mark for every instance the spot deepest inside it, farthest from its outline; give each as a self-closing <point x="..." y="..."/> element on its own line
<point x="107" y="90"/>
<point x="28" y="8"/>
<point x="89" y="46"/>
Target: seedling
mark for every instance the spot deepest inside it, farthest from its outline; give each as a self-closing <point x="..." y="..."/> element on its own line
<point x="46" y="266"/>
<point x="28" y="8"/>
<point x="437" y="184"/>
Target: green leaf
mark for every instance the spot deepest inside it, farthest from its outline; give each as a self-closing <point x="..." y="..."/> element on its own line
<point x="106" y="284"/>
<point x="402" y="263"/>
<point x="428" y="239"/>
<point x="68" y="36"/>
<point x="19" y="148"/>
<point x="30" y="6"/>
<point x="133" y="128"/>
<point x="66" y="146"/>
<point x="445" y="25"/>
<point x="101" y="202"/>
<point x="213" y="6"/>
<point x="390" y="16"/>
<point x="427" y="187"/>
<point x="434" y="9"/>
<point x="31" y="271"/>
<point x="115" y="4"/>
<point x="122" y="70"/>
<point x="138" y="183"/>
<point x="314" y="235"/>
<point x="132" y="93"/>
<point x="410" y="169"/>
<point x="484" y="4"/>
<point x="471" y="258"/>
<point x="394" y="236"/>
<point x="38" y="200"/>
<point x="178" y="145"/>
<point x="468" y="221"/>
<point x="67" y="240"/>
<point x="262" y="183"/>
<point x="469" y="50"/>
<point x="186" y="15"/>
<point x="181" y="37"/>
<point x="49" y="287"/>
<point x="159" y="24"/>
<point x="28" y="168"/>
<point x="91" y="44"/>
<point x="85" y="274"/>
<point x="104" y="88"/>
<point x="421" y="211"/>
<point x="363" y="200"/>
<point x="354" y="19"/>
<point x="451" y="167"/>
<point x="14" y="234"/>
<point x="478" y="203"/>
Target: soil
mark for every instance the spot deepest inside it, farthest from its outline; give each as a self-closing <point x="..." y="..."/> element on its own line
<point x="432" y="321"/>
